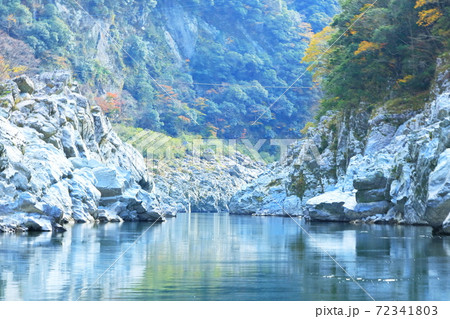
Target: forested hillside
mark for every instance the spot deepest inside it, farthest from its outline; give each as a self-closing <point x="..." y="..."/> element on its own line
<point x="383" y="52"/>
<point x="204" y="67"/>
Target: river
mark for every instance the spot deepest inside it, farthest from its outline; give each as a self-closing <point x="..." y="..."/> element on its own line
<point x="223" y="257"/>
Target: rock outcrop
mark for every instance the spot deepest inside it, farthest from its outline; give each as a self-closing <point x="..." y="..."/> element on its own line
<point x="383" y="164"/>
<point x="61" y="162"/>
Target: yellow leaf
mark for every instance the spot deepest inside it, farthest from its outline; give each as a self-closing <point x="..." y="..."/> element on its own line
<point x="367" y="46"/>
<point x="428" y="17"/>
<point x="421" y="3"/>
<point x="406" y="79"/>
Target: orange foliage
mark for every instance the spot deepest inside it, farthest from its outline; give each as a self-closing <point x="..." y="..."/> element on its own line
<point x="212" y="130"/>
<point x="184" y="119"/>
<point x="244" y="134"/>
<point x="406" y="79"/>
<point x="200" y="102"/>
<point x="421" y="3"/>
<point x="110" y="104"/>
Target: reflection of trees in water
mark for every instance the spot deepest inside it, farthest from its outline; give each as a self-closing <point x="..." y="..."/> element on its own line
<point x="391" y="262"/>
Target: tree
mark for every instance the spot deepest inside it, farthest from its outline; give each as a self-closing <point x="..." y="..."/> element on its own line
<point x="110" y="104"/>
<point x="317" y="47"/>
<point x="6" y="70"/>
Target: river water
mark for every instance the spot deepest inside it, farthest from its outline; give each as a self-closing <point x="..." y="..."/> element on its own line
<point x="223" y="257"/>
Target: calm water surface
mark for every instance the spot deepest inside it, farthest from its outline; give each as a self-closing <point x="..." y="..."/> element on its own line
<point x="222" y="257"/>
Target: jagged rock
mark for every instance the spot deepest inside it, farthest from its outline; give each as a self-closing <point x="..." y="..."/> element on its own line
<point x="146" y="207"/>
<point x="396" y="161"/>
<point x="106" y="216"/>
<point x="28" y="203"/>
<point x="446" y="226"/>
<point x="438" y="202"/>
<point x="372" y="208"/>
<point x="57" y="200"/>
<point x="57" y="228"/>
<point x="203" y="185"/>
<point x="24" y="84"/>
<point x="85" y="196"/>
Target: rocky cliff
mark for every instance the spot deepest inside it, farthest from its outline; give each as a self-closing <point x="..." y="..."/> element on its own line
<point x="61" y="162"/>
<point x="387" y="163"/>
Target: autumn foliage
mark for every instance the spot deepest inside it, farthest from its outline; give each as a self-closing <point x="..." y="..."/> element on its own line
<point x="366" y="46"/>
<point x="6" y="70"/>
<point x="429" y="16"/>
<point x="111" y="103"/>
<point x="380" y="51"/>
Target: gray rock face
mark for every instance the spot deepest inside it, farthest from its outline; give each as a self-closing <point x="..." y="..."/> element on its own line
<point x="371" y="181"/>
<point x="331" y="206"/>
<point x="446" y="226"/>
<point x="371" y="195"/>
<point x="60" y="161"/>
<point x="438" y="201"/>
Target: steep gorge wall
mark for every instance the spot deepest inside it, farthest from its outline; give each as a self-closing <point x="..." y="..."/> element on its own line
<point x="386" y="164"/>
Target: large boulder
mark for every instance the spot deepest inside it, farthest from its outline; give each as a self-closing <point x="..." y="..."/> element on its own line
<point x="342" y="206"/>
<point x="37" y="223"/>
<point x="85" y="196"/>
<point x="25" y="84"/>
<point x="331" y="206"/>
<point x="109" y="181"/>
<point x="28" y="203"/>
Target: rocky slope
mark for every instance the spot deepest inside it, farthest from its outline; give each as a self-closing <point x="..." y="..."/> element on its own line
<point x="60" y="161"/>
<point x="388" y="164"/>
<point x="204" y="184"/>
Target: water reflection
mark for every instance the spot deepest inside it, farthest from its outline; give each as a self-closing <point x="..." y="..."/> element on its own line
<point x="221" y="257"/>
